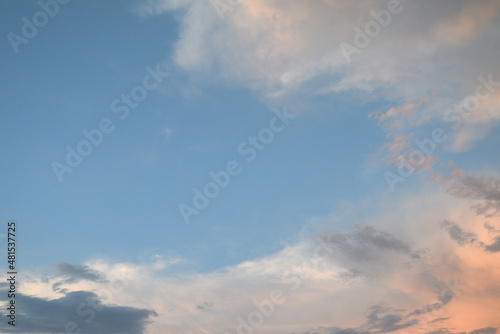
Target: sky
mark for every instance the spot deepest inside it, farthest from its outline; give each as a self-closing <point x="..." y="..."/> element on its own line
<point x="266" y="166"/>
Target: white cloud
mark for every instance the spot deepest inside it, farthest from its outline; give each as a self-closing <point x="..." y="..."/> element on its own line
<point x="284" y="49"/>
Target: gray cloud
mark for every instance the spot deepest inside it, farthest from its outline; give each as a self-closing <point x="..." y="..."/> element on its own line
<point x="205" y="306"/>
<point x="350" y="276"/>
<point x="76" y="273"/>
<point x="426" y="309"/>
<point x="494" y="247"/>
<point x="490" y="228"/>
<point x="347" y="331"/>
<point x="485" y="188"/>
<point x="384" y="322"/>
<point x="363" y="243"/>
<point x="419" y="254"/>
<point x="380" y="319"/>
<point x="458" y="234"/>
<point x="486" y="330"/>
<point x="443" y="331"/>
<point x="445" y="295"/>
<point x="439" y="320"/>
<point x="84" y="309"/>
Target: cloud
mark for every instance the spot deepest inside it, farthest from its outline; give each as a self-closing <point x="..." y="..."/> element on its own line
<point x="479" y="120"/>
<point x="443" y="331"/>
<point x="491" y="229"/>
<point x="446" y="293"/>
<point x="494" y="247"/>
<point x="75" y="273"/>
<point x="460" y="184"/>
<point x="77" y="310"/>
<point x="486" y="330"/>
<point x="458" y="234"/>
<point x="166" y="132"/>
<point x="380" y="319"/>
<point x="383" y="319"/>
<point x="485" y="188"/>
<point x="346" y="331"/>
<point x="362" y="243"/>
<point x="439" y="319"/>
<point x="398" y="272"/>
<point x="397" y="263"/>
<point x="278" y="46"/>
<point x="423" y="63"/>
<point x="205" y="306"/>
<point x="469" y="21"/>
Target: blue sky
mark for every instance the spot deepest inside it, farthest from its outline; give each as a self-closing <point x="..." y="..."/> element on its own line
<point x="129" y="188"/>
<point x="356" y="118"/>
